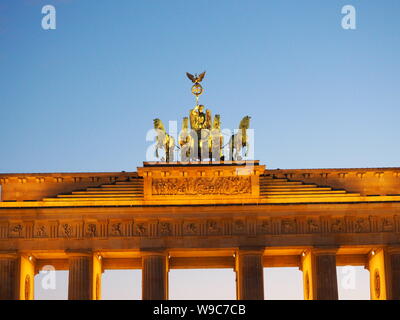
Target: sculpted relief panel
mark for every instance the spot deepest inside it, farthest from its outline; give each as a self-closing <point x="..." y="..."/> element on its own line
<point x="17" y="230"/>
<point x="202" y="186"/>
<point x="240" y="226"/>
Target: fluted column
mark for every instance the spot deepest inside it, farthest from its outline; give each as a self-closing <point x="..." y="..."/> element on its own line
<point x="384" y="269"/>
<point x="17" y="272"/>
<point x="84" y="281"/>
<point x="394" y="256"/>
<point x="249" y="274"/>
<point x="9" y="277"/>
<point x="154" y="275"/>
<point x="319" y="274"/>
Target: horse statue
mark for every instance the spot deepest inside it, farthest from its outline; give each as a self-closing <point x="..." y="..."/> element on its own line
<point x="187" y="141"/>
<point x="164" y="141"/>
<point x="216" y="140"/>
<point x="239" y="140"/>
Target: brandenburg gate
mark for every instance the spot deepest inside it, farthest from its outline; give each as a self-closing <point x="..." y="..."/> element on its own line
<point x="208" y="211"/>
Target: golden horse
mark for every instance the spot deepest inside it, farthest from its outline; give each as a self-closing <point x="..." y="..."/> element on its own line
<point x="164" y="141"/>
<point x="216" y="140"/>
<point x="239" y="140"/>
<point x="187" y="138"/>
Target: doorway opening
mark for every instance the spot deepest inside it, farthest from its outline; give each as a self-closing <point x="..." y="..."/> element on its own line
<point x="284" y="283"/>
<point x="121" y="285"/>
<point x="202" y="284"/>
<point x="353" y="283"/>
<point x="51" y="284"/>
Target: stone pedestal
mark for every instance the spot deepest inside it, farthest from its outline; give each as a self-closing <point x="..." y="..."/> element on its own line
<point x="154" y="276"/>
<point x="84" y="282"/>
<point x="319" y="274"/>
<point x="384" y="268"/>
<point x="249" y="274"/>
<point x="177" y="182"/>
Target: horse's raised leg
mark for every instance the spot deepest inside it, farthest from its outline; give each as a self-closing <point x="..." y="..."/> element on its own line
<point x="246" y="150"/>
<point x="171" y="154"/>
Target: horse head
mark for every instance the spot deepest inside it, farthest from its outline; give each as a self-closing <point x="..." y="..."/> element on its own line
<point x="245" y="123"/>
<point x="217" y="122"/>
<point x="158" y="125"/>
<point x="185" y="123"/>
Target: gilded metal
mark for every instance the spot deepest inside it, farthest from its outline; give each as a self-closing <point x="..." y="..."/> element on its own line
<point x="204" y="139"/>
<point x="240" y="140"/>
<point x="164" y="141"/>
<point x="196" y="78"/>
<point x="197" y="89"/>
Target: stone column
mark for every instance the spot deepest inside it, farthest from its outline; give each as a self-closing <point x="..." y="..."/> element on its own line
<point x="84" y="281"/>
<point x="17" y="272"/>
<point x="249" y="274"/>
<point x="384" y="269"/>
<point x="394" y="258"/>
<point x="9" y="277"/>
<point x="154" y="275"/>
<point x="27" y="276"/>
<point x="319" y="274"/>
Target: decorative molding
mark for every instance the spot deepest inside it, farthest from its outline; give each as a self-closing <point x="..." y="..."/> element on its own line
<point x="377" y="284"/>
<point x="379" y="174"/>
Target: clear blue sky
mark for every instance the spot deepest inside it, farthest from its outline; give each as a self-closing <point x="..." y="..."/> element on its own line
<point x="82" y="97"/>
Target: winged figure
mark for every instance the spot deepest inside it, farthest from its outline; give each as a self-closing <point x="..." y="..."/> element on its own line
<point x="196" y="78"/>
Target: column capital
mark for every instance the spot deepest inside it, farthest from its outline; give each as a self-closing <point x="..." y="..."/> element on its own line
<point x="324" y="250"/>
<point x="12" y="254"/>
<point x="373" y="252"/>
<point x="250" y="250"/>
<point x="153" y="252"/>
<point x="79" y="253"/>
<point x="393" y="249"/>
<point x="316" y="251"/>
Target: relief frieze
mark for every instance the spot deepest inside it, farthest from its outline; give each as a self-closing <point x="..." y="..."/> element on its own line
<point x="75" y="229"/>
<point x="202" y="186"/>
<point x="16" y="230"/>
